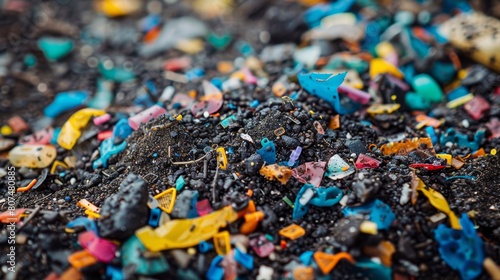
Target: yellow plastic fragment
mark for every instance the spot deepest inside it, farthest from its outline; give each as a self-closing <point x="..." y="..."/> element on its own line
<point x="221" y="158"/>
<point x="377" y="109"/>
<point x="368" y="227"/>
<point x="292" y="232"/>
<point x="70" y="131"/>
<point x="166" y="200"/>
<point x="88" y="205"/>
<point x="384" y="49"/>
<point x="56" y="164"/>
<point x="460" y="101"/>
<point x="447" y="157"/>
<point x="191" y="46"/>
<point x="222" y="243"/>
<point x="116" y="8"/>
<point x="379" y="66"/>
<point x="6" y="130"/>
<point x="183" y="233"/>
<point x="92" y="215"/>
<point x="276" y="172"/>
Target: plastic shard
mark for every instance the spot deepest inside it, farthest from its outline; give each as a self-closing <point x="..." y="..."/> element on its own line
<point x="276" y="172"/>
<point x="292" y="232"/>
<point x="378" y="212"/>
<point x="327" y="262"/>
<point x="310" y="172"/>
<point x="408" y="145"/>
<point x="365" y="161"/>
<point x="338" y="168"/>
<point x="268" y="151"/>
<point x="70" y="131"/>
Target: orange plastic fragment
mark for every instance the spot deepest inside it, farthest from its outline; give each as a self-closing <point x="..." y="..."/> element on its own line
<point x="406" y="146"/>
<point x="8" y="217"/>
<point x="334" y="122"/>
<point x="250" y="192"/>
<point x="383" y="251"/>
<point x="251" y="222"/>
<point x="88" y="206"/>
<point x="52" y="276"/>
<point x="457" y="162"/>
<point x="152" y="35"/>
<point x="276" y="172"/>
<point x="327" y="262"/>
<point x="71" y="274"/>
<point x="225" y="67"/>
<point x="81" y="259"/>
<point x="479" y="153"/>
<point x="279" y="89"/>
<point x="424" y="120"/>
<point x="249" y="209"/>
<point x="28" y="187"/>
<point x="303" y="273"/>
<point x="292" y="232"/>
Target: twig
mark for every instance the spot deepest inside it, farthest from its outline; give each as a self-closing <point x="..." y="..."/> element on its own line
<point x="191" y="161"/>
<point x="29" y="218"/>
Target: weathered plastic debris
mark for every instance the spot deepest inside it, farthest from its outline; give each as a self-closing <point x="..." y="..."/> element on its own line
<point x="455" y="103"/>
<point x="183" y="233"/>
<point x="383" y="251"/>
<point x="387" y="51"/>
<point x="280" y="87"/>
<point x="134" y="254"/>
<point x="222" y="243"/>
<point x="426" y="166"/>
<point x="326" y="262"/>
<point x="117" y="8"/>
<point x="55" y="48"/>
<point x="103" y="96"/>
<point x="262" y="246"/>
<point x="351" y="33"/>
<point x="65" y="101"/>
<point x="204" y="107"/>
<point x="221" y="158"/>
<point x="172" y="33"/>
<point x="338" y="168"/>
<point x="265" y="273"/>
<point x="81" y="259"/>
<point x="427" y="92"/>
<point x="103" y="135"/>
<point x="377" y="109"/>
<point x="70" y="131"/>
<point x="438" y="201"/>
<point x="215" y="271"/>
<point x="292" y="232"/>
<point x="41" y="137"/>
<point x="334" y="122"/>
<point x="494" y="127"/>
<point x="219" y="42"/>
<point x="315" y="14"/>
<point x="246" y="260"/>
<point x="17" y="124"/>
<point x="276" y="172"/>
<point x="32" y="156"/>
<point x="115" y="73"/>
<point x="277" y="53"/>
<point x="446" y="157"/>
<point x="378" y="212"/>
<point x="365" y="161"/>
<point x="185" y="204"/>
<point x="462" y="250"/>
<point x="379" y="66"/>
<point x="102" y="249"/>
<point x="457" y="162"/>
<point x="230" y="266"/>
<point x="102" y="119"/>
<point x="310" y="172"/>
<point x="320" y="197"/>
<point x="477" y="107"/>
<point x="268" y="151"/>
<point x="107" y="150"/>
<point x="354" y="94"/>
<point x="294" y="156"/>
<point x="373" y="270"/>
<point x="88" y="205"/>
<point x="203" y="207"/>
<point x="10" y="216"/>
<point x="145" y="116"/>
<point x="424" y="120"/>
<point x="307" y="56"/>
<point x="121" y="131"/>
<point x="405" y="147"/>
<point x="6" y="144"/>
<point x="462" y="140"/>
<point x="303" y="273"/>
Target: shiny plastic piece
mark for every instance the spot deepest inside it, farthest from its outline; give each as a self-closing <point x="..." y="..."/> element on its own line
<point x="459" y="101"/>
<point x="320" y="197"/>
<point x="451" y="135"/>
<point x="102" y="249"/>
<point x="251" y="222"/>
<point x="65" y="101"/>
<point x="88" y="205"/>
<point x="268" y="151"/>
<point x="70" y="131"/>
<point x="246" y="260"/>
<point x="379" y="66"/>
<point x="32" y="156"/>
<point x="106" y="150"/>
<point x="477" y="107"/>
<point x="326" y="197"/>
<point x="183" y="233"/>
<point x="326" y="262"/>
<point x="310" y="173"/>
<point x="204" y="247"/>
<point x="315" y="14"/>
<point x="303" y="273"/>
<point x="338" y="168"/>
<point x="219" y="42"/>
<point x="121" y="131"/>
<point x="365" y="161"/>
<point x="221" y="158"/>
<point x="17" y="124"/>
<point x="113" y="272"/>
<point x="378" y="109"/>
<point x="325" y="86"/>
<point x="405" y="147"/>
<point x="145" y="116"/>
<point x="227" y="121"/>
<point x="203" y="207"/>
<point x="210" y="106"/>
<point x="494" y="127"/>
<point x="462" y="250"/>
<point x="427" y="92"/>
<point x="154" y="217"/>
<point x="261" y="246"/>
<point x="81" y="259"/>
<point x="166" y="200"/>
<point x="276" y="172"/>
<point x="292" y="232"/>
<point x="426" y="166"/>
<point x="354" y="94"/>
<point x="90" y="225"/>
<point x="134" y="253"/>
<point x="55" y="48"/>
<point x="424" y="120"/>
<point x="378" y="212"/>
<point x="222" y="243"/>
<point x="446" y="157"/>
<point x="215" y="271"/>
<point x="116" y="8"/>
<point x="294" y="156"/>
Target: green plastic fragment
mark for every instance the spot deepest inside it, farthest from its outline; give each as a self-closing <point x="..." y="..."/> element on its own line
<point x="116" y="74"/>
<point x="288" y="201"/>
<point x="219" y="42"/>
<point x="427" y="87"/>
<point x="55" y="48"/>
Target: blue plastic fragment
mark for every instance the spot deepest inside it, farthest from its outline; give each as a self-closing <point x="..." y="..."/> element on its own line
<point x="320" y="197"/>
<point x="133" y="251"/>
<point x="326" y="197"/>
<point x="150" y="22"/>
<point x="443" y="72"/>
<point x="65" y="101"/>
<point x="315" y="14"/>
<point x="204" y="246"/>
<point x="299" y="209"/>
<point x="227" y="121"/>
<point x="254" y="103"/>
<point x="462" y="250"/>
<point x="268" y="151"/>
<point x="373" y="270"/>
<point x="113" y="272"/>
<point x="306" y="257"/>
<point x="121" y="131"/>
<point x="195" y="73"/>
<point x="246" y="260"/>
<point x="473" y="178"/>
<point x="379" y="213"/>
<point x="245" y="48"/>
<point x="185" y="205"/>
<point x="462" y="140"/>
<point x="215" y="271"/>
<point x="179" y="183"/>
<point x="106" y="150"/>
<point x="154" y="217"/>
<point x="457" y="93"/>
<point x="294" y="156"/>
<point x="103" y="95"/>
<point x="55" y="48"/>
<point x="218" y="83"/>
<point x="324" y="85"/>
<point x="144" y="99"/>
<point x="432" y="134"/>
<point x="90" y="225"/>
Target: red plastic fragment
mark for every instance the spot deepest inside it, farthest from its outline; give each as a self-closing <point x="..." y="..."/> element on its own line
<point x="430" y="167"/>
<point x="203" y="207"/>
<point x="365" y="161"/>
<point x="476" y="107"/>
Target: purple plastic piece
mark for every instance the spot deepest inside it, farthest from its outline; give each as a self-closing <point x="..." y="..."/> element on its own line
<point x="365" y="161"/>
<point x="261" y="246"/>
<point x="145" y="116"/>
<point x="310" y="172"/>
<point x="294" y="156"/>
<point x="404" y="86"/>
<point x="354" y="94"/>
<point x="249" y="77"/>
<point x="102" y="249"/>
<point x="102" y="119"/>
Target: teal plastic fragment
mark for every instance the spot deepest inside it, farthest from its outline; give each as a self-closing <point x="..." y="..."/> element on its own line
<point x="116" y="74"/>
<point x="65" y="101"/>
<point x="227" y="121"/>
<point x="373" y="270"/>
<point x="29" y="60"/>
<point x="103" y="96"/>
<point x="301" y="206"/>
<point x="443" y="72"/>
<point x="416" y="102"/>
<point x="186" y="274"/>
<point x="427" y="88"/>
<point x="326" y="197"/>
<point x="246" y="260"/>
<point x="462" y="140"/>
<point x="179" y="183"/>
<point x="378" y="212"/>
<point x="114" y="273"/>
<point x="315" y="14"/>
<point x="268" y="151"/>
<point x="219" y="42"/>
<point x="133" y="251"/>
<point x="106" y="150"/>
<point x="55" y="48"/>
<point x="306" y="257"/>
<point x="310" y="195"/>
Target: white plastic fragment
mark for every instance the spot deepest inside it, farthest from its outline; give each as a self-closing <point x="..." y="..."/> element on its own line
<point x="308" y="194"/>
<point x="405" y="194"/>
<point x="265" y="273"/>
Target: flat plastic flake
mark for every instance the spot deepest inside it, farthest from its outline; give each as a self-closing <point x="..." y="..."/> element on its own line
<point x="276" y="172"/>
<point x="294" y="156"/>
<point x="377" y="109"/>
<point x="203" y="207"/>
<point x="405" y="147"/>
<point x="261" y="246"/>
<point x="65" y="101"/>
<point x="477" y="107"/>
<point x="87" y="223"/>
<point x="462" y="250"/>
<point x="327" y="262"/>
<point x="462" y="140"/>
<point x="268" y="151"/>
<point x="108" y="149"/>
<point x="338" y="168"/>
<point x="215" y="271"/>
<point x="292" y="232"/>
<point x="365" y="161"/>
<point x="246" y="260"/>
<point x="326" y="197"/>
<point x="310" y="172"/>
<point x="70" y="131"/>
<point x="102" y="249"/>
<point x="325" y="86"/>
<point x="221" y="158"/>
<point x="378" y="212"/>
<point x="227" y="121"/>
<point x="134" y="253"/>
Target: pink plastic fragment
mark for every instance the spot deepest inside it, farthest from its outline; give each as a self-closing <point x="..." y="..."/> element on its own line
<point x="494" y="127"/>
<point x="177" y="64"/>
<point x="476" y="107"/>
<point x="261" y="246"/>
<point x="17" y="124"/>
<point x="183" y="99"/>
<point x="145" y="116"/>
<point x="102" y="119"/>
<point x="209" y="88"/>
<point x="310" y="172"/>
<point x="102" y="249"/>
<point x="354" y="94"/>
<point x="249" y="77"/>
<point x="229" y="265"/>
<point x="203" y="207"/>
<point x="211" y="106"/>
<point x="41" y="137"/>
<point x="365" y="161"/>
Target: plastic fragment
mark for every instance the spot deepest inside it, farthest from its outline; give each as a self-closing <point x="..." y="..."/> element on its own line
<point x="222" y="243"/>
<point x="246" y="260"/>
<point x="406" y="146"/>
<point x="354" y="94"/>
<point x="10" y="216"/>
<point x="134" y="253"/>
<point x="17" y="124"/>
<point x="276" y="172"/>
<point x="154" y="217"/>
<point x="379" y="66"/>
<point x="145" y="116"/>
<point x="55" y="48"/>
<point x="373" y="270"/>
<point x="215" y="271"/>
<point x="227" y="121"/>
<point x="378" y="212"/>
<point x="28" y="187"/>
<point x="338" y="168"/>
<point x="477" y="107"/>
<point x="365" y="161"/>
<point x="261" y="246"/>
<point x="430" y="167"/>
<point x="268" y="151"/>
<point x="203" y="207"/>
<point x="292" y="232"/>
<point x="294" y="156"/>
<point x="462" y="140"/>
<point x="221" y="158"/>
<point x="89" y="224"/>
<point x="459" y="101"/>
<point x="103" y="250"/>
<point x="106" y="150"/>
<point x="81" y="259"/>
<point x="318" y="127"/>
<point x="327" y="262"/>
<point x="334" y="122"/>
<point x="310" y="173"/>
<point x="303" y="273"/>
<point x="279" y="131"/>
<point x="70" y="131"/>
<point x="166" y="200"/>
<point x="103" y="95"/>
<point x="32" y="156"/>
